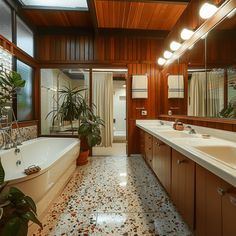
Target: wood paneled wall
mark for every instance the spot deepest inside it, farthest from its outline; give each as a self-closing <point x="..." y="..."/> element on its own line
<point x="138" y="54"/>
<point x="178" y="106"/>
<point x="151" y="104"/>
<point x="96" y="49"/>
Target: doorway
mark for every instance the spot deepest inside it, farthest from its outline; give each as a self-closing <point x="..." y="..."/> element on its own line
<point x="109" y="97"/>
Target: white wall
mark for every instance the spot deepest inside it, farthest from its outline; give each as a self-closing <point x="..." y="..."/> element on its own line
<point x="119" y="108"/>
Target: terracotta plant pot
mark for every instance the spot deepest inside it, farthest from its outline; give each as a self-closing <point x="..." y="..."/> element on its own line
<point x="83" y="158"/>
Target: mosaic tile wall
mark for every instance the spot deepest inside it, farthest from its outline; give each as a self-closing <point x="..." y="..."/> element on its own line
<point x="26" y="133"/>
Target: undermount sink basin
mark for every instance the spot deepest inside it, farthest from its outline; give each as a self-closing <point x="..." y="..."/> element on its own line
<point x="177" y="134"/>
<point x="225" y="154"/>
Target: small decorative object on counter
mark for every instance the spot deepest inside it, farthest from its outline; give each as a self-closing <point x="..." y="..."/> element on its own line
<point x="170" y="113"/>
<point x="32" y="169"/>
<point x="179" y="126"/>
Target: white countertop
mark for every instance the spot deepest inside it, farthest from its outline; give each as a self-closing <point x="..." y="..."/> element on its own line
<point x="188" y="143"/>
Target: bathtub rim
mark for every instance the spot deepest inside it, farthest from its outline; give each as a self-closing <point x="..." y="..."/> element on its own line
<point x="44" y="169"/>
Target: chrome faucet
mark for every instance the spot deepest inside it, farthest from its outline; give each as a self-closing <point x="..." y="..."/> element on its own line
<point x="191" y="130"/>
<point x="8" y="141"/>
<point x="161" y="122"/>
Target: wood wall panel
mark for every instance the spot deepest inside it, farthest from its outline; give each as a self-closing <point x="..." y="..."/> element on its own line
<point x="223" y="124"/>
<point x="178" y="106"/>
<point x="151" y="104"/>
<point x="92" y="49"/>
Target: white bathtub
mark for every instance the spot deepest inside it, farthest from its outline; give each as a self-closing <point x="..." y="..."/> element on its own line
<point x="57" y="160"/>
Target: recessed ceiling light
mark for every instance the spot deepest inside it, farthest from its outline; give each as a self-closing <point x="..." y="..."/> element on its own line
<point x="207" y="10"/>
<point x="174" y="45"/>
<point x="186" y="34"/>
<point x="54" y="4"/>
<point x="167" y="54"/>
<point x="161" y="61"/>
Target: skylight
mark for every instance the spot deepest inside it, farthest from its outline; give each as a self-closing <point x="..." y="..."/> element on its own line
<point x="56" y="4"/>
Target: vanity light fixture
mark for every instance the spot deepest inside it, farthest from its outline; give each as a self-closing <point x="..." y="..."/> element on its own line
<point x="232" y="13"/>
<point x="186" y="34"/>
<point x="204" y="36"/>
<point x="207" y="10"/>
<point x="167" y="54"/>
<point x="174" y="45"/>
<point x="161" y="61"/>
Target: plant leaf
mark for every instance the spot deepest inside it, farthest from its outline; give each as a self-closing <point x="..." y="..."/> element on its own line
<point x="2" y="173"/>
<point x="31" y="216"/>
<point x="31" y="203"/>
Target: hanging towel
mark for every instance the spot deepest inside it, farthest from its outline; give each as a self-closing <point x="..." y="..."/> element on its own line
<point x="140" y="86"/>
<point x="175" y="86"/>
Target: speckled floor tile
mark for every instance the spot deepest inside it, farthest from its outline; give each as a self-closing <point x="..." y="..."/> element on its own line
<point x="117" y="196"/>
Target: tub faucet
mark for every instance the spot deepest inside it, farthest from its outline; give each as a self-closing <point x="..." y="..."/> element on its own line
<point x="161" y="122"/>
<point x="8" y="141"/>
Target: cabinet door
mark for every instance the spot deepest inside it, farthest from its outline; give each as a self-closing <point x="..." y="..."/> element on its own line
<point x="182" y="186"/>
<point x="209" y="192"/>
<point x="229" y="213"/>
<point x="148" y="148"/>
<point x="162" y="162"/>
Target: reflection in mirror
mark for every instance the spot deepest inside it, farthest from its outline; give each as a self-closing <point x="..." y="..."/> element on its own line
<point x="221" y="61"/>
<point x="53" y="81"/>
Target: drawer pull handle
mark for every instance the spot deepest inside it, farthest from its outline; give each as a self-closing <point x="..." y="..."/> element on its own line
<point x="233" y="200"/>
<point x="221" y="191"/>
<point x="181" y="161"/>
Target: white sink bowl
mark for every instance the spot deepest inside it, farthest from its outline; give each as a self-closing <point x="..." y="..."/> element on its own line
<point x="224" y="154"/>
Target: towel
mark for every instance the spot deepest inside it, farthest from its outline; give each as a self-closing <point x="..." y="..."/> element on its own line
<point x="140" y="86"/>
<point x="175" y="86"/>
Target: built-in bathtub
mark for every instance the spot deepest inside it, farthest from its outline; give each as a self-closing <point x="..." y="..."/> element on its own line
<point x="57" y="159"/>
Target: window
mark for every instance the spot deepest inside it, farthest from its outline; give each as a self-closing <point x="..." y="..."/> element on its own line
<point x="25" y="37"/>
<point x="5" y="21"/>
<point x="54" y="4"/>
<point x="24" y="97"/>
<point x="5" y="60"/>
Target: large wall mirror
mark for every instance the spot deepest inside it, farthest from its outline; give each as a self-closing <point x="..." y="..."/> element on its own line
<point x="211" y="73"/>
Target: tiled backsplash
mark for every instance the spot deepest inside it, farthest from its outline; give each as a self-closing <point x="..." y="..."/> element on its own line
<point x="27" y="133"/>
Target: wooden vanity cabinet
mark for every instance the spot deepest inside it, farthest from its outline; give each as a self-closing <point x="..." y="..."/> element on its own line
<point x="183" y="186"/>
<point x="142" y="142"/>
<point x="161" y="163"/>
<point x="148" y="148"/>
<point x="215" y="205"/>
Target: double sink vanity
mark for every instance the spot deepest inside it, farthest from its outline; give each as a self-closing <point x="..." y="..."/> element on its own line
<point x="198" y="171"/>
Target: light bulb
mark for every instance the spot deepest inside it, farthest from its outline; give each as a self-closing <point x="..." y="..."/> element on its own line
<point x="161" y="61"/>
<point x="174" y="45"/>
<point x="207" y="10"/>
<point x="167" y="54"/>
<point x="186" y="34"/>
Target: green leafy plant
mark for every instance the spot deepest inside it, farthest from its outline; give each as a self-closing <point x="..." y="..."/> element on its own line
<point x="70" y="106"/>
<point x="230" y="110"/>
<point x="16" y="209"/>
<point x="90" y="128"/>
<point x="10" y="83"/>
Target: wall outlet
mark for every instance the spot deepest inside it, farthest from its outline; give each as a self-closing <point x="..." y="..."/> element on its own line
<point x="144" y="112"/>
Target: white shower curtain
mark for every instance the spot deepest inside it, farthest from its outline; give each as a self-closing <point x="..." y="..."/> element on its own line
<point x="215" y="93"/>
<point x="197" y="94"/>
<point x="206" y="95"/>
<point x="103" y="99"/>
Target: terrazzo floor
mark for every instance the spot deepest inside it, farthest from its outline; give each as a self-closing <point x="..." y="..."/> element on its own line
<point x="117" y="196"/>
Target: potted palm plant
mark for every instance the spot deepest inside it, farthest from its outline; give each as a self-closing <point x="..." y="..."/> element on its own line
<point x="70" y="107"/>
<point x="89" y="133"/>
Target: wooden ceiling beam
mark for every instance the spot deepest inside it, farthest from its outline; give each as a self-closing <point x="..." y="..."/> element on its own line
<point x="153" y="1"/>
<point x="92" y="10"/>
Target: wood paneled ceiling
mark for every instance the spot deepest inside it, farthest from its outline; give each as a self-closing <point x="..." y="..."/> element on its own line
<point x="47" y="18"/>
<point x="158" y="15"/>
<point x="147" y="15"/>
